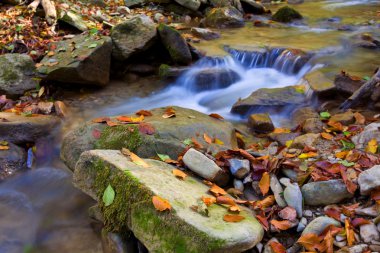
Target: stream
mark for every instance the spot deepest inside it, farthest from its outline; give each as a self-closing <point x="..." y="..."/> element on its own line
<point x="40" y="209"/>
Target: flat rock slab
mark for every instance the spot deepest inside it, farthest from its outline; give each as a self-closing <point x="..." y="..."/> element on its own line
<point x="178" y="230"/>
<point x="319" y="83"/>
<point x="168" y="136"/>
<point x="20" y="129"/>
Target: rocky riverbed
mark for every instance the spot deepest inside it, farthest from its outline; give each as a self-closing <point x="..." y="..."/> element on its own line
<point x="190" y="126"/>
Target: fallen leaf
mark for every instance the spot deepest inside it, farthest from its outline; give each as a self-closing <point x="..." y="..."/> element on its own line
<point x="130" y="119"/>
<point x="216" y="190"/>
<point x="169" y="113"/>
<point x="357" y="222"/>
<point x="311" y="242"/>
<point x="264" y="183"/>
<point x="288" y="213"/>
<point x="329" y="242"/>
<point x="179" y="173"/>
<point x="281" y="225"/>
<point x="2" y="147"/>
<point x="144" y="113"/>
<point x="327" y="136"/>
<point x="264" y="221"/>
<point x="342" y="154"/>
<point x="233" y="218"/>
<point x="325" y="115"/>
<point x="277" y="247"/>
<point x="307" y="155"/>
<point x="281" y="130"/>
<point x="349" y="232"/>
<point x="333" y="213"/>
<point x="208" y="200"/>
<point x="234" y="209"/>
<point x="146" y="128"/>
<point x="267" y="202"/>
<point x="224" y="200"/>
<point x="108" y="195"/>
<point x="359" y="118"/>
<point x="351" y="186"/>
<point x="161" y="204"/>
<point x="218" y="142"/>
<point x="207" y="138"/>
<point x="101" y="120"/>
<point x="196" y="144"/>
<point x="111" y="123"/>
<point x="135" y="159"/>
<point x="216" y="116"/>
<point x="372" y="146"/>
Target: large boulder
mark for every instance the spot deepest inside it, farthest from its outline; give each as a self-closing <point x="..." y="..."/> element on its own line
<point x="132" y="36"/>
<point x="179" y="230"/>
<point x="16" y="74"/>
<point x="167" y="137"/>
<point x="175" y="44"/>
<point x="20" y="129"/>
<point x="286" y="14"/>
<point x="347" y="84"/>
<point x="266" y="99"/>
<point x="225" y="17"/>
<point x="190" y="4"/>
<point x="85" y="59"/>
<point x="12" y="160"/>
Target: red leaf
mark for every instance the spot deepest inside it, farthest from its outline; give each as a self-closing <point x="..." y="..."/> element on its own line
<point x="96" y="133"/>
<point x="277" y="247"/>
<point x="146" y="128"/>
<point x="357" y="222"/>
<point x="333" y="213"/>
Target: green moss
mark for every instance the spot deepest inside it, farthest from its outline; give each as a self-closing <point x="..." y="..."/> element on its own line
<point x="163" y="71"/>
<point x="119" y="137"/>
<point x="286" y="14"/>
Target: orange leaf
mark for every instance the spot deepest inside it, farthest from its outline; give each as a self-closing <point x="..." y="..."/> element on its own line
<point x="264" y="183"/>
<point x="216" y="116"/>
<point x="281" y="225"/>
<point x="359" y="118"/>
<point x="216" y="190"/>
<point x="233" y="218"/>
<point x="196" y="144"/>
<point x="281" y="130"/>
<point x="135" y="159"/>
<point x="161" y="204"/>
<point x="327" y="136"/>
<point x="329" y="241"/>
<point x="180" y="174"/>
<point x="2" y="147"/>
<point x="101" y="120"/>
<point x="169" y="113"/>
<point x="235" y="208"/>
<point x="311" y="242"/>
<point x="144" y="112"/>
<point x="111" y="123"/>
<point x="208" y="200"/>
<point x="341" y="155"/>
<point x="349" y="232"/>
<point x="127" y="119"/>
<point x="225" y="200"/>
<point x="351" y="186"/>
<point x="336" y="126"/>
<point x="207" y="138"/>
<point x="277" y="247"/>
<point x="264" y="221"/>
<point x="267" y="202"/>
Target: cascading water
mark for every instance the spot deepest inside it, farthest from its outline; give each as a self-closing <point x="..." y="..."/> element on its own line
<point x="215" y="84"/>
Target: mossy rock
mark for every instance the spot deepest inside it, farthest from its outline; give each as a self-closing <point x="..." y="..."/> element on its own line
<point x="175" y="44"/>
<point x="175" y="231"/>
<point x="16" y="74"/>
<point x="320" y="84"/>
<point x="224" y="17"/>
<point x="168" y="138"/>
<point x="286" y="14"/>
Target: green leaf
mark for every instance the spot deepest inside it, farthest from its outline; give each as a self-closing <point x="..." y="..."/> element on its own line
<point x="347" y="133"/>
<point x="325" y="115"/>
<point x="18" y="28"/>
<point x="3" y="143"/>
<point x="27" y="114"/>
<point x="93" y="31"/>
<point x="347" y="163"/>
<point x="367" y="78"/>
<point x="163" y="157"/>
<point x="188" y="142"/>
<point x="93" y="45"/>
<point x="347" y="145"/>
<point x="108" y="195"/>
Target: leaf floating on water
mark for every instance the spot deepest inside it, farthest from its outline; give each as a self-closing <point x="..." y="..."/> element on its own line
<point x="144" y="113"/>
<point x="108" y="195"/>
<point x="161" y="204"/>
<point x="277" y="247"/>
<point x="264" y="183"/>
<point x="372" y="146"/>
<point x="179" y="173"/>
<point x="216" y="190"/>
<point x="146" y="128"/>
<point x="233" y="218"/>
<point x="216" y="116"/>
<point x="169" y="113"/>
<point x="135" y="159"/>
<point x="207" y="138"/>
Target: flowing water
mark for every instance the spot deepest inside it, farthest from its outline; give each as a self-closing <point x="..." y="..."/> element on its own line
<point x="42" y="212"/>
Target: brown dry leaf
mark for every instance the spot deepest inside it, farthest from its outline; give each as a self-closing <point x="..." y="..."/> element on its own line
<point x="207" y="138"/>
<point x="144" y="112"/>
<point x="179" y="173"/>
<point x="234" y="209"/>
<point x="333" y="213"/>
<point x="277" y="247"/>
<point x="127" y="119"/>
<point x="225" y="200"/>
<point x="336" y="126"/>
<point x="329" y="242"/>
<point x="264" y="183"/>
<point x="264" y="221"/>
<point x="161" y="204"/>
<point x="357" y="222"/>
<point x="267" y="202"/>
<point x="217" y="191"/>
<point x="233" y="218"/>
<point x="135" y="159"/>
<point x="208" y="200"/>
<point x="311" y="242"/>
<point x="372" y="146"/>
<point x="327" y="136"/>
<point x="146" y="128"/>
<point x="196" y="143"/>
<point x="3" y="147"/>
<point x="349" y="232"/>
<point x="359" y="118"/>
<point x="169" y="113"/>
<point x="281" y="130"/>
<point x="216" y="116"/>
<point x="281" y="225"/>
<point x="101" y="120"/>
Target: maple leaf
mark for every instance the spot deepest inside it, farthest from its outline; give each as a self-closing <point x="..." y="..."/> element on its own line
<point x="161" y="204"/>
<point x="233" y="218"/>
<point x="264" y="183"/>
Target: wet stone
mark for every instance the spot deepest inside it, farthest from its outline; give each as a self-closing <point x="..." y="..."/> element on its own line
<point x="345" y="118"/>
<point x="12" y="160"/>
<point x="261" y="123"/>
<point x="318" y="225"/>
<point x="369" y="180"/>
<point x="239" y="168"/>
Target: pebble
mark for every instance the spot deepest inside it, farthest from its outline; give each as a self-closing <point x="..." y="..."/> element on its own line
<point x="293" y="197"/>
<point x="358" y="248"/>
<point x="302" y="225"/>
<point x="308" y="213"/>
<point x="368" y="233"/>
<point x="277" y="190"/>
<point x="319" y="224"/>
<point x="239" y="168"/>
<point x="238" y="184"/>
<point x="259" y="247"/>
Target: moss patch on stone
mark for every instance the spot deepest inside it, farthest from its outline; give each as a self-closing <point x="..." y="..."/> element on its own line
<point x="119" y="137"/>
<point x="286" y="14"/>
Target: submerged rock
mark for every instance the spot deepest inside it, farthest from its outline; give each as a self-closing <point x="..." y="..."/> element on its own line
<point x="215" y="78"/>
<point x="325" y="192"/>
<point x="225" y="17"/>
<point x="205" y="34"/>
<point x="369" y="180"/>
<point x="175" y="44"/>
<point x="12" y="160"/>
<point x="168" y="135"/>
<point x="265" y="100"/>
<point x="286" y="14"/>
<point x="16" y="73"/>
<point x="85" y="59"/>
<point x="132" y="36"/>
<point x="170" y="231"/>
<point x="20" y="129"/>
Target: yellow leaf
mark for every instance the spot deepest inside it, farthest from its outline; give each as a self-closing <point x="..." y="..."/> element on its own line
<point x="288" y="143"/>
<point x="307" y="155"/>
<point x="218" y="142"/>
<point x="264" y="183"/>
<point x="372" y="146"/>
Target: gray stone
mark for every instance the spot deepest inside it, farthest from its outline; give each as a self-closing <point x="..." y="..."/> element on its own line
<point x="306" y="140"/>
<point x="319" y="83"/>
<point x="344" y="83"/>
<point x="190" y="4"/>
<point x="293" y="197"/>
<point x="45" y="107"/>
<point x="369" y="180"/>
<point x="20" y="129"/>
<point x="238" y="184"/>
<point x="261" y="123"/>
<point x="277" y="190"/>
<point x="204" y="167"/>
<point x="132" y="36"/>
<point x="250" y="6"/>
<point x="175" y="44"/>
<point x="224" y="17"/>
<point x="12" y="160"/>
<point x="82" y="60"/>
<point x="135" y="186"/>
<point x="266" y="99"/>
<point x="215" y="78"/>
<point x="302" y="114"/>
<point x="16" y="73"/>
<point x="325" y="192"/>
<point x="318" y="225"/>
<point x="369" y="233"/>
<point x="205" y="33"/>
<point x="73" y="19"/>
<point x="168" y="138"/>
<point x="371" y="131"/>
<point x="239" y="168"/>
<point x="346" y="118"/>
